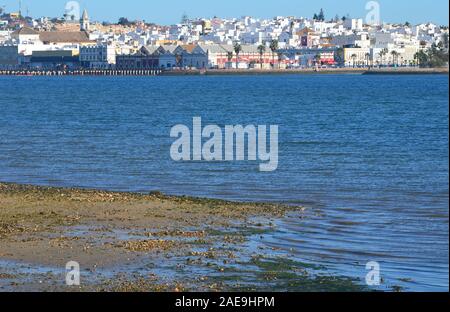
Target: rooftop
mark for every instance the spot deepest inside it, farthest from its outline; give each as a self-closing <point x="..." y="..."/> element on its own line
<point x="25" y="31"/>
<point x="64" y="36"/>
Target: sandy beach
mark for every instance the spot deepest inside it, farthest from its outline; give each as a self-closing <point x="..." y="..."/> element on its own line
<point x="143" y="242"/>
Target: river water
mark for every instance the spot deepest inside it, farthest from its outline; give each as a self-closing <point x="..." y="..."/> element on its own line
<point x="368" y="155"/>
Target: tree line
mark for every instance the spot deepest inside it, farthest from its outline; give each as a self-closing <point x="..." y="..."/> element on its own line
<point x="436" y="56"/>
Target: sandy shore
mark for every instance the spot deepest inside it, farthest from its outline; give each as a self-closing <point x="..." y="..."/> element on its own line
<point x="144" y="242"/>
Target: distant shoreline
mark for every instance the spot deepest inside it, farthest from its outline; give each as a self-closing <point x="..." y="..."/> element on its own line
<point x="232" y="72"/>
<point x="354" y="71"/>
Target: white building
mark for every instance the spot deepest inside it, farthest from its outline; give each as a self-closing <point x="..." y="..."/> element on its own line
<point x="354" y="24"/>
<point x="190" y="58"/>
<point x="98" y="56"/>
<point x="354" y="57"/>
<point x="166" y="56"/>
<point x="29" y="40"/>
<point x="359" y="40"/>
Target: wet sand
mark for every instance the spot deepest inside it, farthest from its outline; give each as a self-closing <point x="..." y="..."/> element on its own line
<point x="144" y="242"/>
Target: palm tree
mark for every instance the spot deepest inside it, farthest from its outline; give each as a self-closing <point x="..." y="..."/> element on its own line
<point x="354" y="56"/>
<point x="237" y="50"/>
<point x="317" y="58"/>
<point x="230" y="56"/>
<point x="394" y="57"/>
<point x="261" y="50"/>
<point x="339" y="56"/>
<point x="423" y="59"/>
<point x="367" y="57"/>
<point x="382" y="54"/>
<point x="416" y="58"/>
<point x="273" y="48"/>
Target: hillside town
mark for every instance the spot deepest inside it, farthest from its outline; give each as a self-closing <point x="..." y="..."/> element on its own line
<point x="238" y="43"/>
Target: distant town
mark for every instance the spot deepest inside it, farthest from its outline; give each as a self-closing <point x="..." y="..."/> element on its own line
<point x="71" y="43"/>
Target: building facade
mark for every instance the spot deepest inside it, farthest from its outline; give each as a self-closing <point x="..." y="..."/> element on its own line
<point x="98" y="56"/>
<point x="9" y="56"/>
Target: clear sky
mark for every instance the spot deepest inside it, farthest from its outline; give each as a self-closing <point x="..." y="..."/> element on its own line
<point x="170" y="11"/>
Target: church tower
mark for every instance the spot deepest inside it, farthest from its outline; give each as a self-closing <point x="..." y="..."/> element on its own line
<point x="84" y="22"/>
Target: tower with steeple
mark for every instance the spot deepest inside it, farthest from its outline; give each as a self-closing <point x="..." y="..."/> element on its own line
<point x="84" y="22"/>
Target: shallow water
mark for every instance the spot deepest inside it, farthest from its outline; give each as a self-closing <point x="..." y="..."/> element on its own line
<point x="367" y="154"/>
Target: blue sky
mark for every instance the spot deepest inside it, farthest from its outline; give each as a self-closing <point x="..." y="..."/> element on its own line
<point x="170" y="11"/>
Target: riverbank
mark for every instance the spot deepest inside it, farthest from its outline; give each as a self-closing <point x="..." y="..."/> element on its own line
<point x="146" y="242"/>
<point x="231" y="72"/>
<point x="87" y="72"/>
<point x="310" y="71"/>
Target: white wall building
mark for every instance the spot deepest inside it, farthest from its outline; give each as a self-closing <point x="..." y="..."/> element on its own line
<point x="359" y="40"/>
<point x="354" y="24"/>
<point x="98" y="56"/>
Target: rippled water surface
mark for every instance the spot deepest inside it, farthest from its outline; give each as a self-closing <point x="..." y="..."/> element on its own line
<point x="367" y="154"/>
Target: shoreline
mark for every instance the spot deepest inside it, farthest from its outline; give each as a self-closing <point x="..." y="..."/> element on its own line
<point x="324" y="71"/>
<point x="231" y="72"/>
<point x="146" y="242"/>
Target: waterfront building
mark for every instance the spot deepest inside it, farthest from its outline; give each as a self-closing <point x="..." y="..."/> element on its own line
<point x="222" y="56"/>
<point x="191" y="58"/>
<point x="251" y="57"/>
<point x="145" y="58"/>
<point x="49" y="60"/>
<point x="9" y="56"/>
<point x="208" y="43"/>
<point x="98" y="56"/>
<point x="217" y="55"/>
<point x="166" y="57"/>
<point x="356" y="57"/>
<point x="308" y="57"/>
